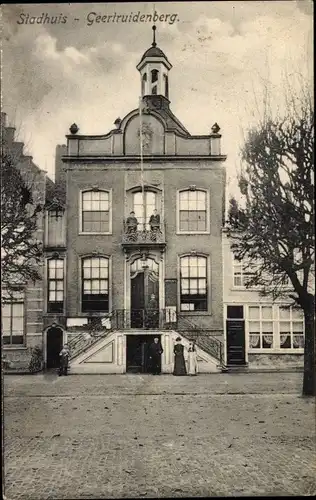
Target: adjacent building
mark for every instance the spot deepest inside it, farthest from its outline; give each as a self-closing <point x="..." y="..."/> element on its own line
<point x="259" y="333"/>
<point x="22" y="313"/>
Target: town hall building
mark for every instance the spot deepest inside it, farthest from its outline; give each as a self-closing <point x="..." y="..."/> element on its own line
<point x="133" y="238"/>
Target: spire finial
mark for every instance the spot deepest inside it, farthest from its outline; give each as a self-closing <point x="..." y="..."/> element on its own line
<point x="154" y="36"/>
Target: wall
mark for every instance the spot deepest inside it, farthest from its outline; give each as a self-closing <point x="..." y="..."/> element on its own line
<point x="168" y="177"/>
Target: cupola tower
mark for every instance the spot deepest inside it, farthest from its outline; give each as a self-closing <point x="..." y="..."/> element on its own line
<point x="154" y="70"/>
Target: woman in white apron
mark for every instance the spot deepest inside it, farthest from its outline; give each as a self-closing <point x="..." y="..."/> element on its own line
<point x="192" y="359"/>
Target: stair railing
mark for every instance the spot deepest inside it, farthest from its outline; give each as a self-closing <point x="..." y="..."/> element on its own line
<point x="202" y="336"/>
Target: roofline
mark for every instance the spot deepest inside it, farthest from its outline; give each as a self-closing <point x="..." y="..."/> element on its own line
<point x="145" y="159"/>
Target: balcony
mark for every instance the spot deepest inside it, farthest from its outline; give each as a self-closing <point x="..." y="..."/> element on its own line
<point x="143" y="237"/>
<point x="143" y="319"/>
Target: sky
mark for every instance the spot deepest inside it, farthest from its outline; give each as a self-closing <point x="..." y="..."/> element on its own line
<point x="224" y="55"/>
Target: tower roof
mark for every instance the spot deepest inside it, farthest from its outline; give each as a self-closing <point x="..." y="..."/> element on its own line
<point x="154" y="51"/>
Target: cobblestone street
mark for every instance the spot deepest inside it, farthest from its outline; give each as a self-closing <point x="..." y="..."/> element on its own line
<point x="120" y="436"/>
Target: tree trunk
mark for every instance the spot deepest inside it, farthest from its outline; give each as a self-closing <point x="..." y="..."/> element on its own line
<point x="309" y="348"/>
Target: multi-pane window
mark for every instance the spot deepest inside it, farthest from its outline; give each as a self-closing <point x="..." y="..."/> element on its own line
<point x="193" y="283"/>
<point x="193" y="211"/>
<point x="242" y="272"/>
<point x="55" y="229"/>
<point x="260" y="322"/>
<point x="275" y="327"/>
<point x="55" y="281"/>
<point x="13" y="319"/>
<point x="95" y="284"/>
<point x="291" y="323"/>
<point x="96" y="212"/>
<point x="144" y="206"/>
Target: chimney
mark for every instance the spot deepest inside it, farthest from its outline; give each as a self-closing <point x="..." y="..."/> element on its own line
<point x="60" y="173"/>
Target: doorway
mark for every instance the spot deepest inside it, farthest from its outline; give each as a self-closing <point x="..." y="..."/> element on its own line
<point x="145" y="294"/>
<point x="53" y="346"/>
<point x="235" y="331"/>
<point x="137" y="355"/>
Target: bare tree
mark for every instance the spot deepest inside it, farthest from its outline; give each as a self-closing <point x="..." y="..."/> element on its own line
<point x="273" y="224"/>
<point x="21" y="252"/>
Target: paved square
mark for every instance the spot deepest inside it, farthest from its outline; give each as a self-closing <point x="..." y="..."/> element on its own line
<point x="114" y="436"/>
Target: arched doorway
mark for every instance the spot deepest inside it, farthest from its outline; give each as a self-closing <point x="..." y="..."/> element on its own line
<point x="54" y="345"/>
<point x="144" y="275"/>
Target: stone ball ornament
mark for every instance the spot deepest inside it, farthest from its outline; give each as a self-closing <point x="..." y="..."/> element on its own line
<point x="74" y="128"/>
<point x="216" y="128"/>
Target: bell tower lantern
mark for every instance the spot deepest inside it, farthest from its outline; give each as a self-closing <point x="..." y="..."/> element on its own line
<point x="154" y="70"/>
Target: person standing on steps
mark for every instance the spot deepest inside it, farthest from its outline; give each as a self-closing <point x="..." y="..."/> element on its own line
<point x="192" y="359"/>
<point x="64" y="356"/>
<point x="155" y="351"/>
<point x="131" y="224"/>
<point x="179" y="362"/>
<point x="154" y="223"/>
<point x="152" y="313"/>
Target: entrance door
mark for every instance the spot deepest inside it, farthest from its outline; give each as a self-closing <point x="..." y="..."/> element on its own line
<point x="54" y="346"/>
<point x="144" y="294"/>
<point x="137" y="357"/>
<point x="235" y="331"/>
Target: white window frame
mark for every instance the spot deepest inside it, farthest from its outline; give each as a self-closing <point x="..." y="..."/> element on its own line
<point x="242" y="264"/>
<point x="19" y="301"/>
<point x="208" y="229"/>
<point x="276" y="349"/>
<point x="109" y="191"/>
<point x="48" y="259"/>
<point x="208" y="310"/>
<point x="80" y="283"/>
<point x="292" y="322"/>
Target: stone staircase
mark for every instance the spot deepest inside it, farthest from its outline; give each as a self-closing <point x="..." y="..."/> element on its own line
<point x="80" y="342"/>
<point x="203" y="339"/>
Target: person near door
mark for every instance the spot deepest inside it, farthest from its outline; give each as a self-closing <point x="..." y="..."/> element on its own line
<point x="154" y="223"/>
<point x="64" y="360"/>
<point x="152" y="320"/>
<point x="155" y="351"/>
<point x="179" y="362"/>
<point x="131" y="224"/>
<point x="192" y="359"/>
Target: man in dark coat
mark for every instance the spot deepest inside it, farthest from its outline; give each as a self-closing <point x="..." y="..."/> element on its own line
<point x="64" y="360"/>
<point x="131" y="223"/>
<point x="155" y="351"/>
<point x="152" y="316"/>
<point x="154" y="223"/>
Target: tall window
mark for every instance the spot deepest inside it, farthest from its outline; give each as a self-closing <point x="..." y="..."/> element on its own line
<point x="154" y="81"/>
<point x="55" y="279"/>
<point x="291" y="323"/>
<point x="150" y="199"/>
<point x="95" y="284"/>
<point x="242" y="272"/>
<point x="193" y="211"/>
<point x="13" y="319"/>
<point x="193" y="283"/>
<point x="165" y="77"/>
<point x="260" y="327"/>
<point x="95" y="212"/>
<point x="55" y="229"/>
<point x="144" y="80"/>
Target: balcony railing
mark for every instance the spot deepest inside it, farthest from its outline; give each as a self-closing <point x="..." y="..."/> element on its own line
<point x="143" y="234"/>
<point x="142" y="318"/>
